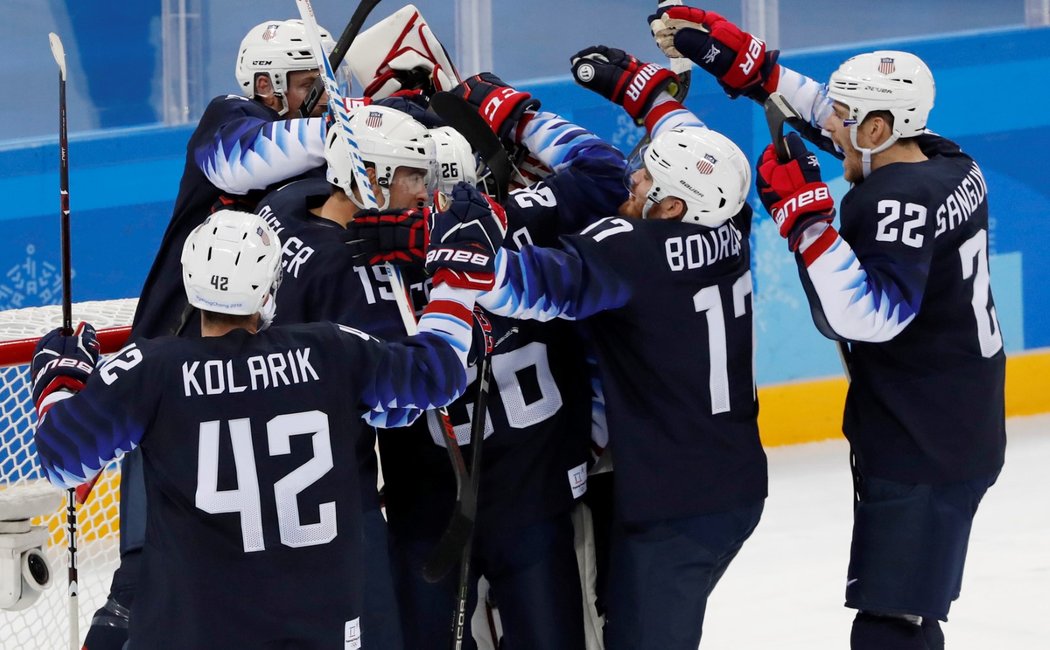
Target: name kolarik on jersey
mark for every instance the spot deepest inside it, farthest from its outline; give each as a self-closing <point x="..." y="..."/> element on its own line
<point x="257" y="372"/>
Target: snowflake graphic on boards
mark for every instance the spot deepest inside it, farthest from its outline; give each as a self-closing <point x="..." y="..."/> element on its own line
<point x="31" y="283"/>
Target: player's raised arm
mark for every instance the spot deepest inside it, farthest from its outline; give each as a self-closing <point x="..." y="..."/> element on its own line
<point x="741" y="63"/>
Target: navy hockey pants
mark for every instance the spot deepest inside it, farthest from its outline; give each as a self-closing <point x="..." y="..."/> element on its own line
<point x="532" y="573"/>
<point x="662" y="572"/>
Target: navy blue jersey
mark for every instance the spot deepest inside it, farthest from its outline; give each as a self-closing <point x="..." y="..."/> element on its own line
<point x="668" y="309"/>
<point x="251" y="476"/>
<point x="537" y="433"/>
<point x="906" y="282"/>
<point x="239" y="149"/>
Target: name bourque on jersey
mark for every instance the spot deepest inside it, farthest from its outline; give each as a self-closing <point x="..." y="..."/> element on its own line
<point x="689" y="316"/>
<point x="908" y="284"/>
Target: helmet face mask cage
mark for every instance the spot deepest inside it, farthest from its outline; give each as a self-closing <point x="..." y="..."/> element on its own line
<point x="231" y="264"/>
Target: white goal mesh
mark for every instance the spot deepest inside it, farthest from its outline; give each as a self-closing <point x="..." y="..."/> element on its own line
<point x="45" y="624"/>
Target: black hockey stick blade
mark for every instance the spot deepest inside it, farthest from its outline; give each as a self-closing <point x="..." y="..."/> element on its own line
<point x="778" y="113"/>
<point x="448" y="549"/>
<point x="342" y="46"/>
<point x="461" y="116"/>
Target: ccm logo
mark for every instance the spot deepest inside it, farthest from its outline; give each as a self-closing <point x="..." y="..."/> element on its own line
<point x="754" y="50"/>
<point x="457" y="255"/>
<point x="262" y="62"/>
<point x="495" y="101"/>
<point x="640" y="79"/>
<point x="798" y="203"/>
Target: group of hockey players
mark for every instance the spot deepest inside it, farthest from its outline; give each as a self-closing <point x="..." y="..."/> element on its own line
<point x="619" y="293"/>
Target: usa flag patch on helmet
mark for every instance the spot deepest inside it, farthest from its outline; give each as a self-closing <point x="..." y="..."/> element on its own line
<point x="374" y="119"/>
<point x="886" y="65"/>
<point x="263" y="236"/>
<point x="271" y="31"/>
<point x="707" y="165"/>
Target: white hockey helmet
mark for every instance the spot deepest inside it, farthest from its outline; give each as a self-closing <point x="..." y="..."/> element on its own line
<point x="387" y="139"/>
<point x="885" y="80"/>
<point x="275" y="48"/>
<point x="703" y="168"/>
<point x="455" y="159"/>
<point x="231" y="264"/>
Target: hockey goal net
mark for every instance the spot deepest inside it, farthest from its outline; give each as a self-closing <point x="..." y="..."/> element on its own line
<point x="45" y="624"/>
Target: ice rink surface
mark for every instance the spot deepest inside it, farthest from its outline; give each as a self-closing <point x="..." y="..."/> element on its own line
<point x="785" y="590"/>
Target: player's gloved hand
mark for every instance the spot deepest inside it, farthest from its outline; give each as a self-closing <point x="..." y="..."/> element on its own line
<point x="62" y="363"/>
<point x="382" y="236"/>
<point x="621" y="78"/>
<point x="736" y="58"/>
<point x="500" y="105"/>
<point x="464" y="237"/>
<point x="792" y="191"/>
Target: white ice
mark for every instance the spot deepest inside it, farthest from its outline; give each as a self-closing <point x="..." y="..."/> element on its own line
<point x="785" y="589"/>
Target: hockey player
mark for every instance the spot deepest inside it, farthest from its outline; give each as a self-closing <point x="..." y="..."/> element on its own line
<point x="242" y="145"/>
<point x="322" y="283"/>
<point x="904" y="281"/>
<point x="248" y="436"/>
<point x="539" y="413"/>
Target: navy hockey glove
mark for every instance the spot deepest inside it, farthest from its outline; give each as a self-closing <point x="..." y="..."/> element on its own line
<point x="621" y="78"/>
<point x="62" y="364"/>
<point x="394" y="236"/>
<point x="464" y="238"/>
<point x="792" y="191"/>
<point x="500" y="105"/>
<point x="737" y="59"/>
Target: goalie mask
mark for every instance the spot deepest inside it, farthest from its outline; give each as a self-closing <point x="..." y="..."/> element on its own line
<point x="231" y="264"/>
<point x="703" y="168"/>
<point x="387" y="139"/>
<point x="897" y="82"/>
<point x="274" y="49"/>
<point x="454" y="157"/>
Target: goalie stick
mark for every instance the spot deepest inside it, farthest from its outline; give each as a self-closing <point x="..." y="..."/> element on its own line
<point x="342" y="46"/>
<point x="59" y="54"/>
<point x="455" y="541"/>
<point x="778" y="113"/>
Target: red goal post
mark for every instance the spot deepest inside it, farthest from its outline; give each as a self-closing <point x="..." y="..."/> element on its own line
<point x="45" y="623"/>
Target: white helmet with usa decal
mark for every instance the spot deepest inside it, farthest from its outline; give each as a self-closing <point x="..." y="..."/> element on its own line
<point x="703" y="168"/>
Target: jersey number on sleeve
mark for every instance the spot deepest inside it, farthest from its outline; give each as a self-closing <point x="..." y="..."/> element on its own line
<point x="708" y="301"/>
<point x="244" y="499"/>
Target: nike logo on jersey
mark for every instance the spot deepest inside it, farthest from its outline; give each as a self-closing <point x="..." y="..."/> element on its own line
<point x="257" y="372"/>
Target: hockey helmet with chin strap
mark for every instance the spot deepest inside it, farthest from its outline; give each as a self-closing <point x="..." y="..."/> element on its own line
<point x="274" y="49"/>
<point x="231" y="264"/>
<point x="703" y="168"/>
<point x="885" y="80"/>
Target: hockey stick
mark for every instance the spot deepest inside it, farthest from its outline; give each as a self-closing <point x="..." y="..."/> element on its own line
<point x="342" y="46"/>
<point x="679" y="65"/>
<point x="59" y="53"/>
<point x="455" y="541"/>
<point x="778" y="113"/>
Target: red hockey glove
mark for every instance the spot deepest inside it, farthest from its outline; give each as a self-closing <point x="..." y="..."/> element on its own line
<point x="500" y="105"/>
<point x="382" y="236"/>
<point x="738" y="60"/>
<point x="464" y="238"/>
<point x="62" y="363"/>
<point x="793" y="192"/>
<point x="621" y="78"/>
